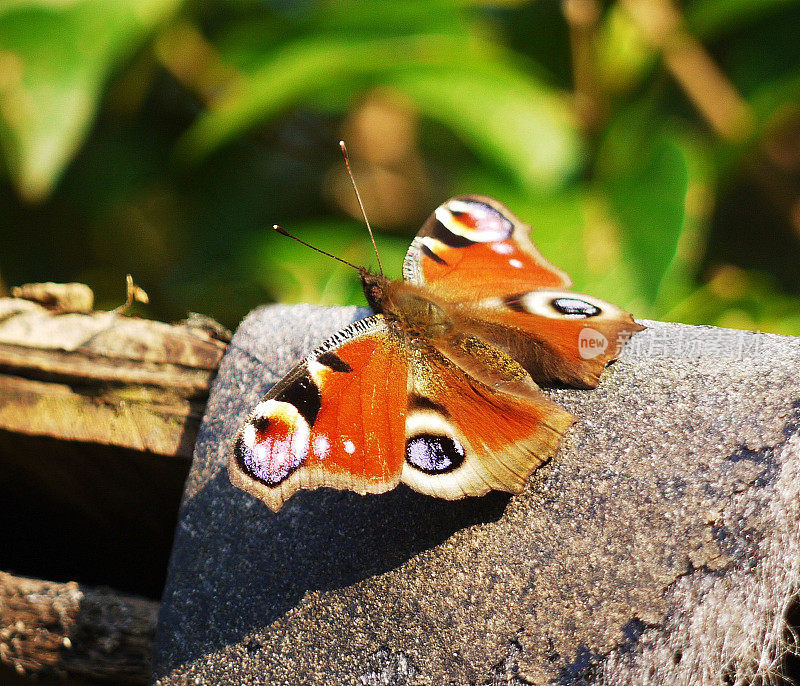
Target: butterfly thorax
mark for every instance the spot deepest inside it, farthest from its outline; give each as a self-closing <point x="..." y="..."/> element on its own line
<point x="407" y="307"/>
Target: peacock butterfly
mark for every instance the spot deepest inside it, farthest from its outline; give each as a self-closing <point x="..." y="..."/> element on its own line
<point x="439" y="388"/>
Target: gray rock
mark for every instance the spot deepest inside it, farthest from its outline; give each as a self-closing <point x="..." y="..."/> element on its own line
<point x="661" y="544"/>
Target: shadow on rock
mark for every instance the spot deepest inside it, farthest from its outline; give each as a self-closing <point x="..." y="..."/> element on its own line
<point x="261" y="564"/>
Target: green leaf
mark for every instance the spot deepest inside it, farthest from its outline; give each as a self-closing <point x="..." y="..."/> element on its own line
<point x="292" y="272"/>
<point x="701" y="192"/>
<point x="623" y="54"/>
<point x="739" y="299"/>
<point x="399" y="17"/>
<point x="507" y="116"/>
<point x="709" y="18"/>
<point x="775" y="96"/>
<point x="504" y="113"/>
<point x="300" y="68"/>
<point x="54" y="60"/>
<point x="643" y="174"/>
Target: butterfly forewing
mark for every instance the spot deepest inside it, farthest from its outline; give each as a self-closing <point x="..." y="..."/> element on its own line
<point x="473" y="246"/>
<point x="337" y="419"/>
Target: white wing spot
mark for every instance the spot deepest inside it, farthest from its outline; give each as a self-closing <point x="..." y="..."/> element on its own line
<point x="316" y="370"/>
<point x="249" y="435"/>
<point x="489" y="224"/>
<point x="321" y="446"/>
<point x="516" y="264"/>
<point x="349" y="447"/>
<point x="431" y="243"/>
<point x="261" y="453"/>
<point x="503" y="248"/>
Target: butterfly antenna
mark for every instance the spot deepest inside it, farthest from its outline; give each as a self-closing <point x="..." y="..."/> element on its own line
<point x="360" y="204"/>
<point x="284" y="232"/>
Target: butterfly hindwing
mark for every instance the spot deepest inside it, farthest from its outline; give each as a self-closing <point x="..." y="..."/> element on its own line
<point x="465" y="437"/>
<point x="337" y="419"/>
<point x="557" y="336"/>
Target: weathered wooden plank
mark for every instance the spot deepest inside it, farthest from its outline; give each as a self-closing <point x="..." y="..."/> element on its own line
<point x="144" y="419"/>
<point x="101" y="377"/>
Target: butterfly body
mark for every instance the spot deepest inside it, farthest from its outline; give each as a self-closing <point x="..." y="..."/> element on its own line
<point x="439" y="388"/>
<point x="410" y="311"/>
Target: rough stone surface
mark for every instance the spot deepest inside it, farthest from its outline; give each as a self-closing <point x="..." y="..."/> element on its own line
<point x="660" y="545"/>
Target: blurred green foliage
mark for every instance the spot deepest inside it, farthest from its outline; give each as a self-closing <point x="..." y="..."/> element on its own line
<point x="654" y="149"/>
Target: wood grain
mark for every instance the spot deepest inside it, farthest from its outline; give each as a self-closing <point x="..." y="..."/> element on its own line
<point x="98" y="418"/>
<point x="104" y="378"/>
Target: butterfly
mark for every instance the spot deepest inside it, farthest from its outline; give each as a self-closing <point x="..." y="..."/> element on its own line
<point x="440" y="388"/>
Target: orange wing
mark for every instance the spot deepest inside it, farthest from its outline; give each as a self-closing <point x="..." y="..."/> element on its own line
<point x="557" y="336"/>
<point x="472" y="246"/>
<point x="475" y="254"/>
<point x="337" y="419"/>
<point x="465" y="437"/>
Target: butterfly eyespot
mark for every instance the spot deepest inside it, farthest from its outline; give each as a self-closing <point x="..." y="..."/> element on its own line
<point x="434" y="454"/>
<point x="573" y="307"/>
<point x="463" y="222"/>
<point x="273" y="443"/>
